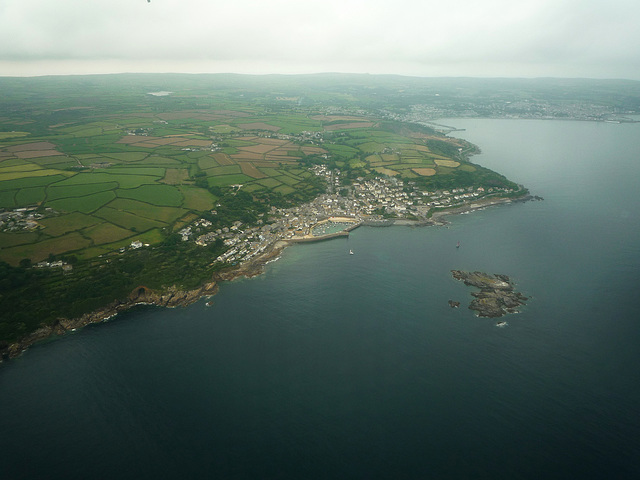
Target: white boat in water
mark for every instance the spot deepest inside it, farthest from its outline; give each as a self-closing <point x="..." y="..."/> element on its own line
<point x="501" y="324"/>
<point x="350" y="252"/>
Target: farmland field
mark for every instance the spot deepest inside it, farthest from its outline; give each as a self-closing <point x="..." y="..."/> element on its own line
<point x="29" y="196"/>
<point x="56" y="192"/>
<point x="13" y="239"/>
<point x="106" y="233"/>
<point x="175" y="176"/>
<point x="425" y="172"/>
<point x="41" y="250"/>
<point x="162" y="195"/>
<point x="153" y="212"/>
<point x="127" y="220"/>
<point x="197" y="199"/>
<point x="57" y="226"/>
<point x="447" y="163"/>
<point x="85" y="204"/>
<point x="109" y="178"/>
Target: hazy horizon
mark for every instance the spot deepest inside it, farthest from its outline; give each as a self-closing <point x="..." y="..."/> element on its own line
<point x="492" y="39"/>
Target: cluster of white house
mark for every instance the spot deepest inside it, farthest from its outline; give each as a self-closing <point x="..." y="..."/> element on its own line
<point x="365" y="200"/>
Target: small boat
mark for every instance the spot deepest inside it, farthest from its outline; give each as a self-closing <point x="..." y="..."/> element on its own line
<point x="209" y="303"/>
<point x="458" y="245"/>
<point x="501" y="324"/>
<point x="350" y="252"/>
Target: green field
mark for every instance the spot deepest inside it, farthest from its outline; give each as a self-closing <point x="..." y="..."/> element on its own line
<point x="10" y="135"/>
<point x="197" y="199"/>
<point x="127" y="220"/>
<point x="13" y="239"/>
<point x="30" y="196"/>
<point x="161" y="195"/>
<point x="106" y="233"/>
<point x="29" y="173"/>
<point x="207" y="162"/>
<point x="151" y="171"/>
<point x="85" y="204"/>
<point x="226" y="180"/>
<point x="24" y="167"/>
<point x="226" y="170"/>
<point x="56" y="226"/>
<point x="269" y="182"/>
<point x="41" y="250"/>
<point x="30" y="182"/>
<point x="58" y="192"/>
<point x="153" y="212"/>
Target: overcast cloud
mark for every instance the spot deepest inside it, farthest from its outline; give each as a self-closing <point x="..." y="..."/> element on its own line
<point x="488" y="38"/>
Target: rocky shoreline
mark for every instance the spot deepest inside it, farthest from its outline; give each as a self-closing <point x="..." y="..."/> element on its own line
<point x="173" y="296"/>
<point x="170" y="297"/>
<point x="497" y="295"/>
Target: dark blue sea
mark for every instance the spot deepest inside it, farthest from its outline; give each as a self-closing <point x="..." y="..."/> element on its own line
<point x="333" y="365"/>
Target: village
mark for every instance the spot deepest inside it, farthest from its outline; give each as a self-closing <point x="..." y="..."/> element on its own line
<point x="374" y="201"/>
<point x="366" y="201"/>
<point x="21" y="219"/>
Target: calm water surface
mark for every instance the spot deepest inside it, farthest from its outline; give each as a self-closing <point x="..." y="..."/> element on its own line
<point x="353" y="366"/>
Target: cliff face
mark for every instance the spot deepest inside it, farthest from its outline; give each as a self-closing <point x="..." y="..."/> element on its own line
<point x="254" y="267"/>
<point x="171" y="297"/>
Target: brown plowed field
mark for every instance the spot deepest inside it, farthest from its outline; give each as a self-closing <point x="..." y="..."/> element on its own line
<point x="312" y="150"/>
<point x="32" y="146"/>
<point x="246" y="156"/>
<point x="251" y="170"/>
<point x="257" y="148"/>
<point x="37" y="154"/>
<point x="280" y="158"/>
<point x="223" y="159"/>
<point x="424" y="172"/>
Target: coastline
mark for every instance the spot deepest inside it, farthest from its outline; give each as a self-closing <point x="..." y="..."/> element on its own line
<point x="173" y="296"/>
<point x="438" y="217"/>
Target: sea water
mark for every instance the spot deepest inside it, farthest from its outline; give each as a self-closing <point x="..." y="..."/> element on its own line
<point x="333" y="365"/>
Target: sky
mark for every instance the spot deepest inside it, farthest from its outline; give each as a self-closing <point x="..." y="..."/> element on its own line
<point x="477" y="38"/>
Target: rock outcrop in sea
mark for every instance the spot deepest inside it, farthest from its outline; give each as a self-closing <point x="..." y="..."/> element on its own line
<point x="497" y="296"/>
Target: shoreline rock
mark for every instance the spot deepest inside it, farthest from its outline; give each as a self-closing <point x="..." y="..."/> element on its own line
<point x="497" y="296"/>
<point x="169" y="297"/>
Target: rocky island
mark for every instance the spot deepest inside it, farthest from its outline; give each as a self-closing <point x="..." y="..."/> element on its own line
<point x="497" y="296"/>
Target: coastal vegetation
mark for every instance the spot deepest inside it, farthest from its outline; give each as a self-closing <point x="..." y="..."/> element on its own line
<point x="104" y="186"/>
